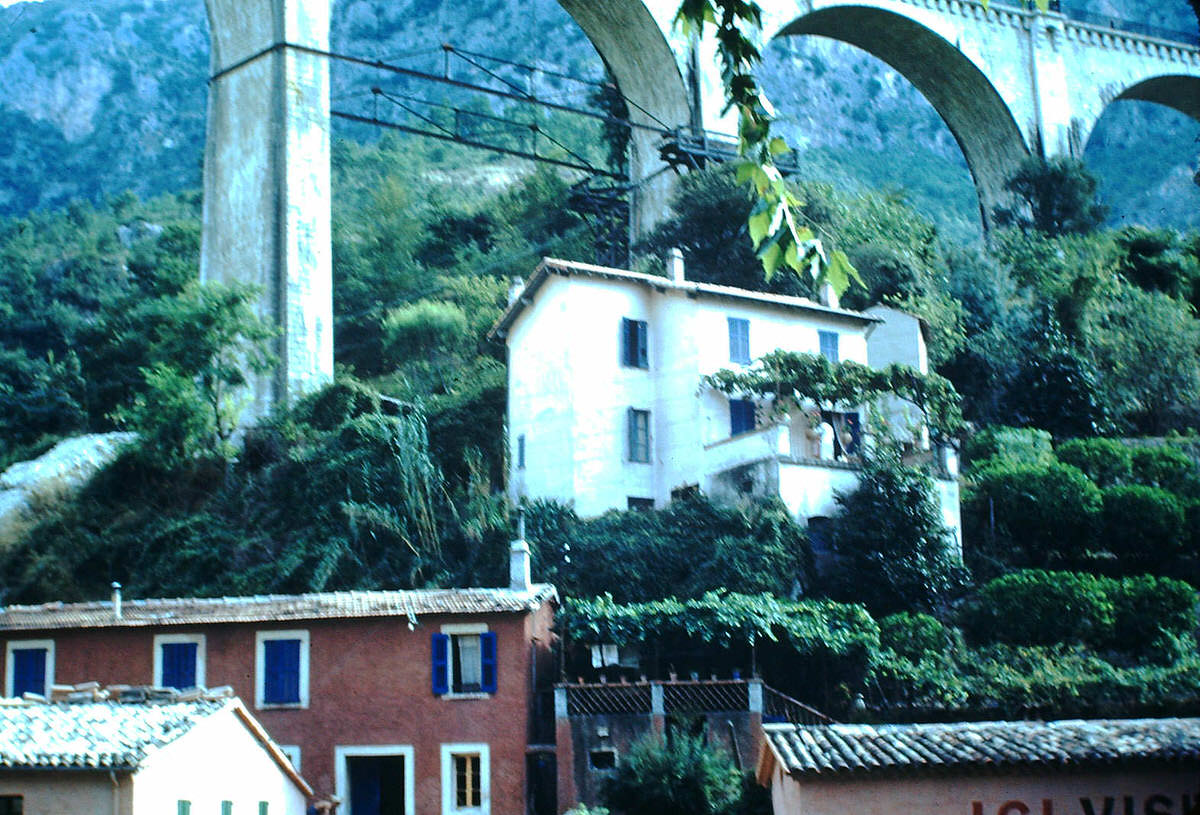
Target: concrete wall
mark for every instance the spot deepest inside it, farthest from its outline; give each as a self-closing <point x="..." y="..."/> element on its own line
<point x="1159" y="790"/>
<point x="369" y="684"/>
<point x="58" y="792"/>
<point x="218" y="760"/>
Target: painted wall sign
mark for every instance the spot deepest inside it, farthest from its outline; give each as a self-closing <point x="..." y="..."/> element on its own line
<point x="1105" y="805"/>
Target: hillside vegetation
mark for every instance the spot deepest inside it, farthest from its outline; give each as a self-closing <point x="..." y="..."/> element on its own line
<point x="1063" y="339"/>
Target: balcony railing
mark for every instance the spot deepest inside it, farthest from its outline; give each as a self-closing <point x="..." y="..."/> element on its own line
<point x="683" y="696"/>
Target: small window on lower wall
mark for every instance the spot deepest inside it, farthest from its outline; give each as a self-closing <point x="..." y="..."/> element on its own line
<point x="603" y="759"/>
<point x="640" y="504"/>
<point x="466" y="779"/>
<point x="183" y="808"/>
<point x="12" y="805"/>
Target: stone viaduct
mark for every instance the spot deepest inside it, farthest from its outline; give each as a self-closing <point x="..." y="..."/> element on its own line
<point x="1008" y="82"/>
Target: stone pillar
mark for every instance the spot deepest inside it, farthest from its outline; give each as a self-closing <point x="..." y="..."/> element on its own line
<point x="658" y="711"/>
<point x="568" y="793"/>
<point x="266" y="180"/>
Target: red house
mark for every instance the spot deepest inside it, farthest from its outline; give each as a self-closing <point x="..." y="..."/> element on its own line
<point x="397" y="702"/>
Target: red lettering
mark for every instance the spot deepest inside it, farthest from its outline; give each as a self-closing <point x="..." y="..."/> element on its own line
<point x="1013" y="808"/>
<point x="977" y="808"/>
<point x="1047" y="807"/>
<point x="1158" y="805"/>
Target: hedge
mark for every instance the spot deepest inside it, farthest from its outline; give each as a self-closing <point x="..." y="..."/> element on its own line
<point x="1106" y="461"/>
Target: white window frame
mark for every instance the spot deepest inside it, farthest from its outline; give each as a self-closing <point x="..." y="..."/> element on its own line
<point x="341" y="772"/>
<point x="449" y="751"/>
<point x="453" y="630"/>
<point x="260" y="664"/>
<point x="171" y="639"/>
<point x="292" y="751"/>
<point x="10" y="667"/>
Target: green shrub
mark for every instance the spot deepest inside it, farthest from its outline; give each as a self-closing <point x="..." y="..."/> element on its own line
<point x="1035" y="607"/>
<point x="1029" y="515"/>
<point x="1106" y="461"/>
<point x="1014" y="445"/>
<point x="1151" y="613"/>
<point x="1166" y="467"/>
<point x="1143" y="527"/>
<point x="675" y="776"/>
<point x="913" y="636"/>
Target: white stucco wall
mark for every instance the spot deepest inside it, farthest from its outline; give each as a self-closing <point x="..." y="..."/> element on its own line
<point x="218" y="760"/>
<point x="569" y="394"/>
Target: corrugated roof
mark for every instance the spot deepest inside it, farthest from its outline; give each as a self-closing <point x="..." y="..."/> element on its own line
<point x="551" y="266"/>
<point x="810" y="750"/>
<point x="93" y="736"/>
<point x="274" y="607"/>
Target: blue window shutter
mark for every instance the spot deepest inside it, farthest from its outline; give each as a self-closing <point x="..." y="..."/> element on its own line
<point x="179" y="665"/>
<point x="487" y="655"/>
<point x="643" y="347"/>
<point x="281" y="685"/>
<point x="829" y="345"/>
<point x="441" y="664"/>
<point x="627" y="354"/>
<point x="29" y="671"/>
<point x="183" y="807"/>
<point x="741" y="416"/>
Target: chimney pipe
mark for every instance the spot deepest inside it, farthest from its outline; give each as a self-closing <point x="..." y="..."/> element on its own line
<point x="828" y="296"/>
<point x="515" y="289"/>
<point x="675" y="265"/>
<point x="116" y="599"/>
<point x="518" y="561"/>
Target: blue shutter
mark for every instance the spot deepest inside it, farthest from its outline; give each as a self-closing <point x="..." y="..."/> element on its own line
<point x="739" y="340"/>
<point x="29" y="671"/>
<point x="741" y="416"/>
<point x="829" y="345"/>
<point x="487" y="655"/>
<point x="441" y="664"/>
<point x="643" y="346"/>
<point x="179" y="665"/>
<point x="281" y="685"/>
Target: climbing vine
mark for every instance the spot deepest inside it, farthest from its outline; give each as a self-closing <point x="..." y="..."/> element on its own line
<point x="791" y="379"/>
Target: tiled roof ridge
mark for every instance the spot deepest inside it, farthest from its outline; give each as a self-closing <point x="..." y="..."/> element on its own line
<point x="347" y="604"/>
<point x="852" y="748"/>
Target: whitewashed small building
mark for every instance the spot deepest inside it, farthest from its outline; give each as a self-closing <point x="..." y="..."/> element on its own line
<point x="607" y="410"/>
<point x="113" y="758"/>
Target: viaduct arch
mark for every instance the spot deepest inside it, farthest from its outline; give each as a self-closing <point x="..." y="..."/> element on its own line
<point x="1007" y="82"/>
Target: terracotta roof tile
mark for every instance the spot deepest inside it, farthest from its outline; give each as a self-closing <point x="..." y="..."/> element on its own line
<point x="274" y="607"/>
<point x="843" y="748"/>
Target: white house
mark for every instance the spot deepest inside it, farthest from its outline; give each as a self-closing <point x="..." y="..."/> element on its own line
<point x="203" y="756"/>
<point x="606" y="407"/>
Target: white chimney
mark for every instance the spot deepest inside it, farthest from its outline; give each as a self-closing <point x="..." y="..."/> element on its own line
<point x="675" y="264"/>
<point x="515" y="289"/>
<point x="828" y="296"/>
<point x="518" y="558"/>
<point x="116" y="600"/>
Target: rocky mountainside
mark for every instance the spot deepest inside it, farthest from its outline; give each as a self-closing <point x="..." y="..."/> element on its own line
<point x="109" y="95"/>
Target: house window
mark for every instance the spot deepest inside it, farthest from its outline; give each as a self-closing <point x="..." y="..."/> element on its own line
<point x="12" y="805"/>
<point x="465" y="779"/>
<point x="374" y="779"/>
<point x="30" y="667"/>
<point x="264" y="808"/>
<point x="829" y="345"/>
<point x="741" y="416"/>
<point x="227" y="808"/>
<point x="464" y="660"/>
<point x="521" y="451"/>
<point x="639" y="504"/>
<point x="639" y="435"/>
<point x="179" y="661"/>
<point x="635" y="350"/>
<point x="739" y="340"/>
<point x="292" y="751"/>
<point x="603" y="759"/>
<point x="282" y="669"/>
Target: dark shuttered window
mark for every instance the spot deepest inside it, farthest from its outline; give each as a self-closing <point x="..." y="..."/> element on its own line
<point x="829" y="345"/>
<point x="179" y="665"/>
<point x="741" y="416"/>
<point x="29" y="670"/>
<point x="281" y="674"/>
<point x="635" y="348"/>
<point x="638" y="432"/>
